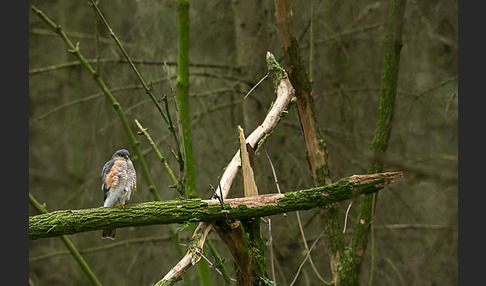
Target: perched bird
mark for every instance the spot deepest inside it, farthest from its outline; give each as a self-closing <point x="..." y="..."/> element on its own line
<point x="118" y="181"/>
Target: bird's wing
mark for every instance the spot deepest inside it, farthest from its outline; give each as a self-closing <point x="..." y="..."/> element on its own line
<point x="105" y="183"/>
<point x="133" y="176"/>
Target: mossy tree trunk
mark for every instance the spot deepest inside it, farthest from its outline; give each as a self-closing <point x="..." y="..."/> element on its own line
<point x="316" y="151"/>
<point x="345" y="261"/>
<point x="182" y="86"/>
<point x="353" y="256"/>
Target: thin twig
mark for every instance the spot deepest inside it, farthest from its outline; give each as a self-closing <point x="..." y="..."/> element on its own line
<point x="125" y="54"/>
<point x="176" y="132"/>
<point x="96" y="42"/>
<point x="123" y="243"/>
<point x="314" y="268"/>
<point x="274" y="175"/>
<point x="270" y="243"/>
<point x="257" y="84"/>
<point x="346" y="217"/>
<point x="402" y="281"/>
<point x="372" y="266"/>
<point x="307" y="256"/>
<point x="35" y="71"/>
<point x="273" y="171"/>
<point x="86" y="99"/>
<point x="416" y="226"/>
<point x="158" y="154"/>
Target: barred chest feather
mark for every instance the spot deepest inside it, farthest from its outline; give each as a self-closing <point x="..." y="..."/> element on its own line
<point x="123" y="183"/>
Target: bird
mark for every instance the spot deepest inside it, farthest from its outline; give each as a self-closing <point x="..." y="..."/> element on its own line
<point x="118" y="182"/>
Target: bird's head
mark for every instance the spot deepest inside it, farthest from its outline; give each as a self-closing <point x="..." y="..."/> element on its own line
<point x="122" y="153"/>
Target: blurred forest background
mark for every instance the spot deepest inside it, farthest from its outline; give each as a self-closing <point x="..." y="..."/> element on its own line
<point x="74" y="130"/>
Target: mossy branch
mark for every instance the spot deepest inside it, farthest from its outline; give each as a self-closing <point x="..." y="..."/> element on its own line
<point x="75" y="51"/>
<point x="219" y="263"/>
<point x="158" y="154"/>
<point x="183" y="210"/>
<point x="70" y="246"/>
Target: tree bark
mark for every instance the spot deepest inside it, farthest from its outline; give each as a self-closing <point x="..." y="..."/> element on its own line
<point x="316" y="151"/>
<point x="353" y="256"/>
<point x="189" y="210"/>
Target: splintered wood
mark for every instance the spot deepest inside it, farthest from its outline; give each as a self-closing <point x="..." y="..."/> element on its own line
<point x="249" y="185"/>
<point x="390" y="177"/>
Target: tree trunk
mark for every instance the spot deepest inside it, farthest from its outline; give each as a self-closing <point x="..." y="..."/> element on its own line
<point x="353" y="257"/>
<point x="316" y="150"/>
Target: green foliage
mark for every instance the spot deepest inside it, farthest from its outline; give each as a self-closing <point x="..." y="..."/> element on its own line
<point x="187" y="224"/>
<point x="268" y="282"/>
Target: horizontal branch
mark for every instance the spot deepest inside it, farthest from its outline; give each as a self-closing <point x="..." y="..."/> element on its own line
<point x="65" y="65"/>
<point x="180" y="211"/>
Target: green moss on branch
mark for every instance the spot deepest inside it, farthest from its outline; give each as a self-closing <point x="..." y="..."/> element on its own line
<point x="179" y="211"/>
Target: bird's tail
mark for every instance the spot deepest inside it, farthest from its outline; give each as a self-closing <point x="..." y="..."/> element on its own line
<point x="108" y="233"/>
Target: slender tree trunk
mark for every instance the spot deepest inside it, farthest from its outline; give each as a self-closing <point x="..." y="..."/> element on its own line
<point x="316" y="150"/>
<point x="182" y="86"/>
<point x="349" y="275"/>
<point x="251" y="40"/>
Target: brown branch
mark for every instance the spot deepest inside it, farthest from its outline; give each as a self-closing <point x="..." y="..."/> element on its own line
<point x="62" y="222"/>
<point x="123" y="243"/>
<point x="415" y="226"/>
<point x="285" y="93"/>
<point x="50" y="68"/>
<point x="316" y="150"/>
<point x="314" y="143"/>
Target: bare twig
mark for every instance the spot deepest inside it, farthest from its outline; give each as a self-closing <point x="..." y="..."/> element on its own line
<point x="304" y="240"/>
<point x="270" y="243"/>
<point x="257" y="84"/>
<point x="274" y="177"/>
<point x="125" y="54"/>
<point x="106" y="247"/>
<point x="305" y="259"/>
<point x="415" y="226"/>
<point x="176" y="131"/>
<point x="346" y="217"/>
<point x="40" y="70"/>
<point x="273" y="171"/>
<point x="158" y="154"/>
